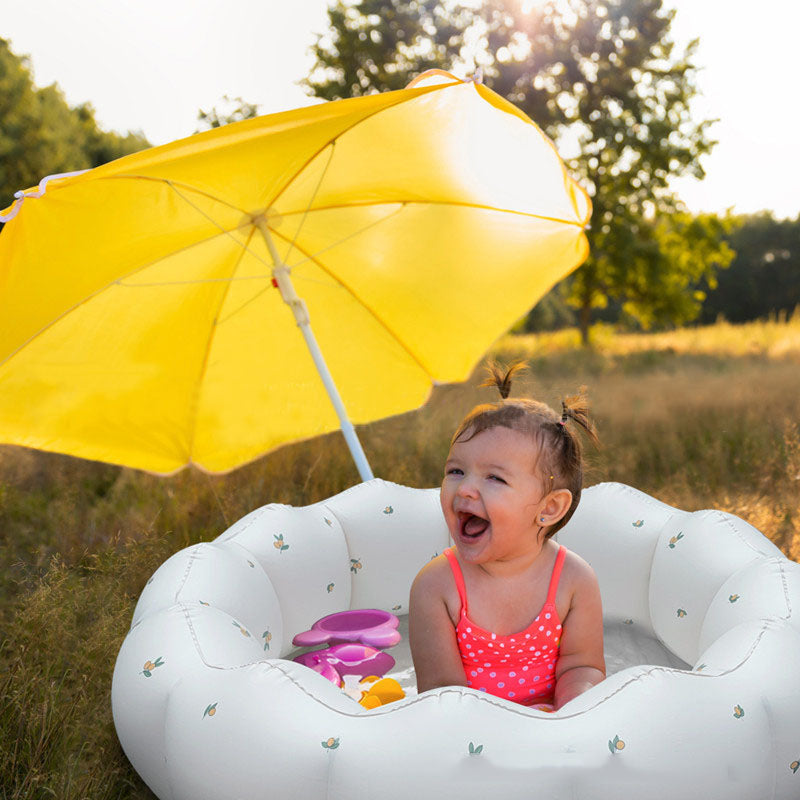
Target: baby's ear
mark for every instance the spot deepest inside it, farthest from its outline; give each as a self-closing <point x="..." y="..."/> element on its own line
<point x="556" y="505"/>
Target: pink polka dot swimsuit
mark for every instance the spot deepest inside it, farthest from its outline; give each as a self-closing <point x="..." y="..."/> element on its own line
<point x="520" y="667"/>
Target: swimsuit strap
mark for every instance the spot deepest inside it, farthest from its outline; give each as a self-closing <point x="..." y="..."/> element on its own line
<point x="551" y="592"/>
<point x="458" y="576"/>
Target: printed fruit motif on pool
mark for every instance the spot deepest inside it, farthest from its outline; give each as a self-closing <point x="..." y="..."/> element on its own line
<point x="616" y="744"/>
<point x="149" y="666"/>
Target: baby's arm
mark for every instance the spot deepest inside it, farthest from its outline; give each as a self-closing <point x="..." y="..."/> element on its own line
<point x="581" y="663"/>
<point x="431" y="633"/>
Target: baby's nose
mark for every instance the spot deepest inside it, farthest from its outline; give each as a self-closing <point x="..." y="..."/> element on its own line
<point x="466" y="487"/>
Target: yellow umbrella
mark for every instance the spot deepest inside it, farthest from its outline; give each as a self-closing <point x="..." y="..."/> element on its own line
<point x="142" y="303"/>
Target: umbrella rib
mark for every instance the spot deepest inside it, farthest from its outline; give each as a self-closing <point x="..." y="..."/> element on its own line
<point x="367" y="308"/>
<point x="310" y="202"/>
<point x="454" y="203"/>
<point x="120" y="282"/>
<point x="245" y="248"/>
<point x="223" y="231"/>
<point x="425" y="90"/>
<point x="308" y="258"/>
<point x="174" y="185"/>
<point x="206" y="354"/>
<point x="417" y="93"/>
<point x="422" y="91"/>
<point x="313" y="256"/>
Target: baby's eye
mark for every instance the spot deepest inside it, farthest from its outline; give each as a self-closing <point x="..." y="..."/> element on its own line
<point x="496" y="478"/>
<point x="454" y="471"/>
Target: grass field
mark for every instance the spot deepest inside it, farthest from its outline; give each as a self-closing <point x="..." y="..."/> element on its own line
<point x="700" y="418"/>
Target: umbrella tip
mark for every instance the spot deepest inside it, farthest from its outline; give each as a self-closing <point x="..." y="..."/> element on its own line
<point x="477" y="76"/>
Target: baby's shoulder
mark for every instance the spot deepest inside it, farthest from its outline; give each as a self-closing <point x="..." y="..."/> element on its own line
<point x="435" y="584"/>
<point x="576" y="572"/>
<point x="435" y="575"/>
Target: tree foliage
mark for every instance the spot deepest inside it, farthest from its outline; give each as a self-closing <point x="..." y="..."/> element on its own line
<point x="764" y="277"/>
<point x="686" y="251"/>
<point x="605" y="81"/>
<point x="40" y="134"/>
<point x="375" y="45"/>
<point x="233" y="109"/>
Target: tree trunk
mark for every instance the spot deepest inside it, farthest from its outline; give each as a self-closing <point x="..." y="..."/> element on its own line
<point x="585" y="320"/>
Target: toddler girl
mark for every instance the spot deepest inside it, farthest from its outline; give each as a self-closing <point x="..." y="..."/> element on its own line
<point x="508" y="611"/>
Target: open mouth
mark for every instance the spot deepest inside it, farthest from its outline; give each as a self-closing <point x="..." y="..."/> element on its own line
<point x="472" y="526"/>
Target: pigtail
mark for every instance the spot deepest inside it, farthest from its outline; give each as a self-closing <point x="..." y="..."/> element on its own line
<point x="500" y="377"/>
<point x="576" y="408"/>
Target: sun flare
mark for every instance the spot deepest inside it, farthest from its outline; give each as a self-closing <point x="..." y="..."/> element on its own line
<point x="527" y="6"/>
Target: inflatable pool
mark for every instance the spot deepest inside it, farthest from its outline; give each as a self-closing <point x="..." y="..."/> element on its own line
<point x="702" y="698"/>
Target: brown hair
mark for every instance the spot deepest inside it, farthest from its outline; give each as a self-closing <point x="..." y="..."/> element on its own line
<point x="560" y="452"/>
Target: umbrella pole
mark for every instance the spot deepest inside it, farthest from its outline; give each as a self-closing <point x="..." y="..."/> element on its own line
<point x="280" y="272"/>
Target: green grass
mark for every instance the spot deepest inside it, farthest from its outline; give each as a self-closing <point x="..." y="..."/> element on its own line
<point x="700" y="418"/>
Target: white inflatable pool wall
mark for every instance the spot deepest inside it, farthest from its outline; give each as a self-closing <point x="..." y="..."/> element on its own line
<point x="206" y="707"/>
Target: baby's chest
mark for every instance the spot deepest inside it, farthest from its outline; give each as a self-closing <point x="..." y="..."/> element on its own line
<point x="508" y="613"/>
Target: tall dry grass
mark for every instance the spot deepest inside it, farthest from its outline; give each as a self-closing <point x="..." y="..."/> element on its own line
<point x="701" y="418"/>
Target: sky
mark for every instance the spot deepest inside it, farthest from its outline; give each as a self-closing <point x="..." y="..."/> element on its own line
<point x="150" y="65"/>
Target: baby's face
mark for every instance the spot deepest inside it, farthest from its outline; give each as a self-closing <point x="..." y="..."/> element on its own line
<point x="492" y="497"/>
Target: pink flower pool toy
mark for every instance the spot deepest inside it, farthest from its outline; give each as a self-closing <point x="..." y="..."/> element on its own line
<point x="321" y="665"/>
<point x="357" y="638"/>
<point x="335" y="662"/>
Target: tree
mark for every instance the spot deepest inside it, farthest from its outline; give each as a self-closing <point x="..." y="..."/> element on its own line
<point x="604" y="81"/>
<point x="604" y="74"/>
<point x="40" y="134"/>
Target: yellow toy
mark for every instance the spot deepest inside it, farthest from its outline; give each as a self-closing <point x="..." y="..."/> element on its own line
<point x="380" y="691"/>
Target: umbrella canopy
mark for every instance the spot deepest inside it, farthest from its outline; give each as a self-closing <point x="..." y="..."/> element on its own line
<point x="143" y="316"/>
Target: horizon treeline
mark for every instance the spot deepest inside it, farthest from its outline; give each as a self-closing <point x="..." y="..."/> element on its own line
<point x="762" y="281"/>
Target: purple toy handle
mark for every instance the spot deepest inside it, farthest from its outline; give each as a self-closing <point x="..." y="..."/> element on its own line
<point x="310" y="638"/>
<point x="325" y="669"/>
<point x="368" y="626"/>
<point x="347" y="659"/>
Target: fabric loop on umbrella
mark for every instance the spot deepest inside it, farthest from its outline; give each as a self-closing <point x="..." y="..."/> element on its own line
<point x="20" y="195"/>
